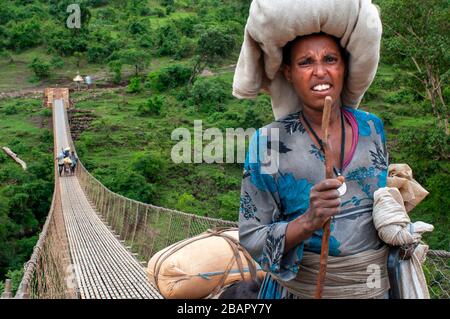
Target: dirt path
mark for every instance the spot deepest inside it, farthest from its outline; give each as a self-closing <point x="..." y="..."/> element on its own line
<point x="38" y="91"/>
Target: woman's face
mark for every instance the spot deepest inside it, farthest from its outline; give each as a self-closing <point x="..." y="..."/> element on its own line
<point x="317" y="70"/>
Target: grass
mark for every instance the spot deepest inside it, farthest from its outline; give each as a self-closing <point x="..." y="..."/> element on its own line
<point x="25" y="129"/>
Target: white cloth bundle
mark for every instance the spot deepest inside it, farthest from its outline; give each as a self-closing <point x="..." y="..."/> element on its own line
<point x="395" y="228"/>
<point x="391" y="220"/>
<point x="272" y="24"/>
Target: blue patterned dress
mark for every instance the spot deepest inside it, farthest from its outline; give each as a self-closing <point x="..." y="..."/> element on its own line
<point x="281" y="167"/>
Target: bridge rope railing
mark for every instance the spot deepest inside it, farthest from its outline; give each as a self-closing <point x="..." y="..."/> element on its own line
<point x="48" y="269"/>
<point x="437" y="273"/>
<point x="144" y="228"/>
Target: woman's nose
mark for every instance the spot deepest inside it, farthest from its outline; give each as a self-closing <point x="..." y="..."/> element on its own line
<point x="319" y="70"/>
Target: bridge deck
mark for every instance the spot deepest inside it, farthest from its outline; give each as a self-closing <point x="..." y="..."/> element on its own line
<point x="104" y="268"/>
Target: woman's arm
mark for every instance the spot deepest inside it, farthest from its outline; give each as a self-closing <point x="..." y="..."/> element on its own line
<point x="262" y="230"/>
<point x="324" y="203"/>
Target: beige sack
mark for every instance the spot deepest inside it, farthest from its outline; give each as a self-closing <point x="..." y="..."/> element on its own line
<point x="198" y="267"/>
<point x="400" y="176"/>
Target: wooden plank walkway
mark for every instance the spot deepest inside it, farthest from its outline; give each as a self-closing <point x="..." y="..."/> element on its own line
<point x="104" y="268"/>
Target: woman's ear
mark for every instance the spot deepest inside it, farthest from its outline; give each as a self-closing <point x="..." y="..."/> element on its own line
<point x="287" y="72"/>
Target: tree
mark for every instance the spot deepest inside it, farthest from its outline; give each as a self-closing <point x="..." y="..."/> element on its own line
<point x="212" y="44"/>
<point x="138" y="58"/>
<point x="167" y="39"/>
<point x="25" y="34"/>
<point x="420" y="48"/>
<point x="40" y="68"/>
<point x="115" y="67"/>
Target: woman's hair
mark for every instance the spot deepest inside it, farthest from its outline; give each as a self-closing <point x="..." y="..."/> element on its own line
<point x="287" y="49"/>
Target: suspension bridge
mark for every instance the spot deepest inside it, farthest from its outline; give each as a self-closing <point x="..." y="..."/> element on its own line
<point x="95" y="244"/>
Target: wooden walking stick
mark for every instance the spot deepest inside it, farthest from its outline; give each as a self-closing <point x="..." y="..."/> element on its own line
<point x="328" y="174"/>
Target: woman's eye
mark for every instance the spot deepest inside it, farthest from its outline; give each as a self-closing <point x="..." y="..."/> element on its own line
<point x="305" y="62"/>
<point x="330" y="59"/>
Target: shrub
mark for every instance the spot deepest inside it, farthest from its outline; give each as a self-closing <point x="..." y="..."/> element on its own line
<point x="57" y="62"/>
<point x="159" y="12"/>
<point x="182" y="95"/>
<point x="229" y="205"/>
<point x="137" y="27"/>
<point x="214" y="43"/>
<point x="387" y="118"/>
<point x="151" y="165"/>
<point x="186" y="203"/>
<point x="127" y="182"/>
<point x="169" y="77"/>
<point x="170" y="10"/>
<point x="24" y="34"/>
<point x="167" y="40"/>
<point x="152" y="107"/>
<point x="402" y="96"/>
<point x="16" y="277"/>
<point x="185" y="49"/>
<point x="46" y="112"/>
<point x="209" y="94"/>
<point x="2" y="157"/>
<point x="224" y="182"/>
<point x="97" y="53"/>
<point x="186" y="25"/>
<point x="430" y="144"/>
<point x="11" y="109"/>
<point x="40" y="68"/>
<point x="134" y="86"/>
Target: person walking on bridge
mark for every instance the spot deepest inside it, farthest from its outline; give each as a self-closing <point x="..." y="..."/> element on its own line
<point x="60" y="159"/>
<point x="73" y="157"/>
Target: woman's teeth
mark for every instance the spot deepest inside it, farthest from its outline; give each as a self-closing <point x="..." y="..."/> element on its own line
<point x="321" y="87"/>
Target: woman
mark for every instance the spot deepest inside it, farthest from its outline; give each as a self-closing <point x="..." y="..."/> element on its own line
<point x="282" y="213"/>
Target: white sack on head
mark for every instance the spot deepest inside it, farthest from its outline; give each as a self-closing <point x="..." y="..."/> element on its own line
<point x="272" y="24"/>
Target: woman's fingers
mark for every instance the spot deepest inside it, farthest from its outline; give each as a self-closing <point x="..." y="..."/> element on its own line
<point x="329" y="195"/>
<point x="327" y="184"/>
<point x="334" y="203"/>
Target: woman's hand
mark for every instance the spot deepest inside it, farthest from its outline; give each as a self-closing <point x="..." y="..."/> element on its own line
<point x="324" y="202"/>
